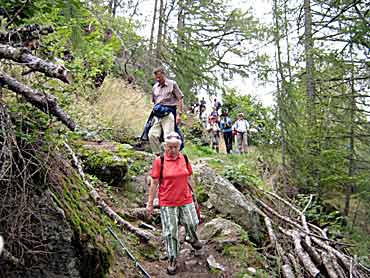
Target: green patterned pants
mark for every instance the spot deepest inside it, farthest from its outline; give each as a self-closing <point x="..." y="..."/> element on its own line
<point x="171" y="218"/>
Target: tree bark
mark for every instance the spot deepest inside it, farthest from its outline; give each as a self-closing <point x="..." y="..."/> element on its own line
<point x="152" y="29"/>
<point x="160" y="32"/>
<point x="45" y="102"/>
<point x="180" y="25"/>
<point x="351" y="164"/>
<point x="303" y="256"/>
<point x="310" y="91"/>
<point x="17" y="37"/>
<point x="282" y="90"/>
<point x="20" y="55"/>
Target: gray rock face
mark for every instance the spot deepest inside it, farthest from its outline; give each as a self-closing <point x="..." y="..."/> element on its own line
<point x="227" y="200"/>
<point x="64" y="254"/>
<point x="221" y="230"/>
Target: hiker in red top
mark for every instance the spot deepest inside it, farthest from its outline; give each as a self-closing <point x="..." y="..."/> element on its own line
<point x="172" y="173"/>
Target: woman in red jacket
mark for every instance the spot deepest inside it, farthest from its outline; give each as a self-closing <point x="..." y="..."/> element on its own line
<point x="175" y="198"/>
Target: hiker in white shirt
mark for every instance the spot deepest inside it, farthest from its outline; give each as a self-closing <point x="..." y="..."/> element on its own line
<point x="240" y="128"/>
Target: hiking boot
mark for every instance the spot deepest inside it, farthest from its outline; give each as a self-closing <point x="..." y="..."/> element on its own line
<point x="171" y="269"/>
<point x="196" y="244"/>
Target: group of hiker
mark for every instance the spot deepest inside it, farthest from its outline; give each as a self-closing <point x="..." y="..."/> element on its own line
<point x="217" y="124"/>
<point x="170" y="177"/>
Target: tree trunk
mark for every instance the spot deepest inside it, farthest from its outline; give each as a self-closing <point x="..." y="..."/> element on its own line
<point x="312" y="181"/>
<point x="282" y="90"/>
<point x="160" y="32"/>
<point x="286" y="31"/>
<point x="351" y="166"/>
<point x="180" y="25"/>
<point x="308" y="46"/>
<point x="152" y="29"/>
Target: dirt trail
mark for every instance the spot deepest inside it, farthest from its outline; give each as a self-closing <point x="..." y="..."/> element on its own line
<point x="190" y="263"/>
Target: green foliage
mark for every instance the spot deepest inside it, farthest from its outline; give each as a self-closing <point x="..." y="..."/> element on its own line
<point x="243" y="256"/>
<point x="83" y="40"/>
<point x="196" y="151"/>
<point x="201" y="194"/>
<point x="321" y="213"/>
<point x="212" y="31"/>
<point x="240" y="174"/>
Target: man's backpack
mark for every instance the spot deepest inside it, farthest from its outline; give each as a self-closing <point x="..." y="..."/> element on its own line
<point x="227" y="123"/>
<point x="195" y="201"/>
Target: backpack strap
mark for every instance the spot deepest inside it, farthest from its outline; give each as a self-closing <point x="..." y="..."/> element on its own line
<point x="162" y="162"/>
<point x="186" y="160"/>
<point x="161" y="171"/>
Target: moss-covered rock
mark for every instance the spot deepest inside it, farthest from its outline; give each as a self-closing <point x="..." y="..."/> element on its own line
<point x="87" y="224"/>
<point x="111" y="162"/>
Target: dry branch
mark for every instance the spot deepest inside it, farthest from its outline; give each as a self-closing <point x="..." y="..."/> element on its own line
<point x="45" y="102"/>
<point x="296" y="266"/>
<point x="19" y="36"/>
<point x="21" y="55"/>
<point x="8" y="256"/>
<point x="311" y="251"/>
<point x="286" y="268"/>
<point x="328" y="265"/>
<point x="288" y="271"/>
<point x="103" y="205"/>
<point x="303" y="256"/>
<point x="137" y="213"/>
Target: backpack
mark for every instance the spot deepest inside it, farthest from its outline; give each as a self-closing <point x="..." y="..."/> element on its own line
<point x="195" y="201"/>
<point x="227" y="123"/>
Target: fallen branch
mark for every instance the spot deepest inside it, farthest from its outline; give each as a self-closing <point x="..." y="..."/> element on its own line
<point x="45" y="102"/>
<point x="303" y="256"/>
<point x="291" y="222"/>
<point x="137" y="213"/>
<point x="328" y="265"/>
<point x="19" y="36"/>
<point x="286" y="268"/>
<point x="103" y="205"/>
<point x="20" y="55"/>
<point x="311" y="251"/>
<point x="296" y="266"/>
<point x="352" y="266"/>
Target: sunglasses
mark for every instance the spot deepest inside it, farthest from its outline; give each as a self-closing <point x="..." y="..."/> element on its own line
<point x="173" y="136"/>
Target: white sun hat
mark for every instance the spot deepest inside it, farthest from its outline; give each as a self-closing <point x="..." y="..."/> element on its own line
<point x="173" y="137"/>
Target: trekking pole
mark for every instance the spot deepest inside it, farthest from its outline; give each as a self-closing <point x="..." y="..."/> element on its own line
<point x="137" y="264"/>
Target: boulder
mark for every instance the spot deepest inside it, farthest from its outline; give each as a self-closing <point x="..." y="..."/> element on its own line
<point x="227" y="200"/>
<point x="221" y="230"/>
<point x="112" y="162"/>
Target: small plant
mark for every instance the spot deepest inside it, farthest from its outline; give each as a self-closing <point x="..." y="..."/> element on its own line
<point x="240" y="175"/>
